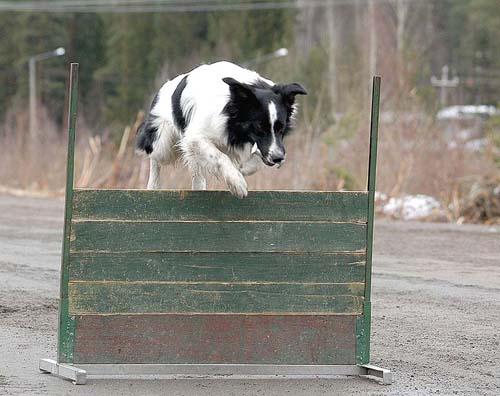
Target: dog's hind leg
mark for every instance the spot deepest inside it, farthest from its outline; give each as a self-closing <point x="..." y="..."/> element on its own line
<point x="154" y="174"/>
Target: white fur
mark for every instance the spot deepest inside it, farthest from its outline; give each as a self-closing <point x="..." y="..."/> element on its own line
<point x="154" y="174"/>
<point x="203" y="145"/>
<point x="273" y="115"/>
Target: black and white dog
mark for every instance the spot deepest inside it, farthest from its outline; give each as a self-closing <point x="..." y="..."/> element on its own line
<point x="221" y="119"/>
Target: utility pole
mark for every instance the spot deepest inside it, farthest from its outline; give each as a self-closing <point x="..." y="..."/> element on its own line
<point x="444" y="84"/>
<point x="32" y="87"/>
<point x="332" y="32"/>
<point x="402" y="8"/>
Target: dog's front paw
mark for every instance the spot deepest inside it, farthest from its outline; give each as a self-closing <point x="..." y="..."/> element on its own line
<point x="237" y="184"/>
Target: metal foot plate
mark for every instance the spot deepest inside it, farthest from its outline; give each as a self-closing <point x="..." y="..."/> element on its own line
<point x="76" y="375"/>
<point x="384" y="375"/>
<point x="143" y="371"/>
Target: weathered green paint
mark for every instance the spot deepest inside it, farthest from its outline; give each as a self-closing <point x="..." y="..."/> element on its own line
<point x="217" y="236"/>
<point x="363" y="338"/>
<point x="202" y="277"/>
<point x="66" y="334"/>
<point x="225" y="339"/>
<point x="221" y="267"/>
<point x="221" y="205"/>
<point x="372" y="175"/>
<point x="127" y="297"/>
<point x="66" y="324"/>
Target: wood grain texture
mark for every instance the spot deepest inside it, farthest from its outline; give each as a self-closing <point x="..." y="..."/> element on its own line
<point x="221" y="267"/>
<point x="217" y="236"/>
<point x="230" y="339"/>
<point x="220" y="205"/>
<point x="126" y="297"/>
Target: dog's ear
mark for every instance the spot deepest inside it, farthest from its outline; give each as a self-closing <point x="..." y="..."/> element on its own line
<point x="241" y="90"/>
<point x="289" y="91"/>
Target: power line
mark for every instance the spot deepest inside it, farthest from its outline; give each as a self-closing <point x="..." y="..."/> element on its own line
<point x="144" y="6"/>
<point x="113" y="3"/>
<point x="151" y="5"/>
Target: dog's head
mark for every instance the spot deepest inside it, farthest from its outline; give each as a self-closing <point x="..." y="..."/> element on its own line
<point x="261" y="115"/>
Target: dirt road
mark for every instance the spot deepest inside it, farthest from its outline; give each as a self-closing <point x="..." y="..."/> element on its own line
<point x="436" y="313"/>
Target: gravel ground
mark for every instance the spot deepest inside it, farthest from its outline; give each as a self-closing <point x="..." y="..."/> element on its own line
<point x="436" y="313"/>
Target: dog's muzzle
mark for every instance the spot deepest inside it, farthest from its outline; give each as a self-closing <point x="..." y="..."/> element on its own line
<point x="269" y="160"/>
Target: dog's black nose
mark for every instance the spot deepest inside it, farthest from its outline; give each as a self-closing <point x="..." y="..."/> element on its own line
<point x="277" y="159"/>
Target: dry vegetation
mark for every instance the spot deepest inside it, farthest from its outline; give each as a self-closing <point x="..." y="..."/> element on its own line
<point x="333" y="52"/>
<point x="413" y="158"/>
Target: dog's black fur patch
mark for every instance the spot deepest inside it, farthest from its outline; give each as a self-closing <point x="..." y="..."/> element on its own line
<point x="247" y="112"/>
<point x="178" y="115"/>
<point x="246" y="115"/>
<point x="146" y="135"/>
<point x="147" y="131"/>
<point x="287" y="93"/>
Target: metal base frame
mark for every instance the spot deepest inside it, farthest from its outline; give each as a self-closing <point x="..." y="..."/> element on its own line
<point x="66" y="371"/>
<point x="78" y="375"/>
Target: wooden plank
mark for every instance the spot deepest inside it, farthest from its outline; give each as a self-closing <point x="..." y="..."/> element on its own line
<point x="66" y="322"/>
<point x="221" y="267"/>
<point x="217" y="236"/>
<point x="229" y="339"/>
<point x="141" y="297"/>
<point x="220" y="205"/>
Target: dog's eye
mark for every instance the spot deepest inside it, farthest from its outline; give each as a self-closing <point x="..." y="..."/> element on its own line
<point x="278" y="127"/>
<point x="259" y="130"/>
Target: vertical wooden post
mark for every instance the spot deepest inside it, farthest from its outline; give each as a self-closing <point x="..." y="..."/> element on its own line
<point x="364" y="321"/>
<point x="66" y="322"/>
<point x="372" y="174"/>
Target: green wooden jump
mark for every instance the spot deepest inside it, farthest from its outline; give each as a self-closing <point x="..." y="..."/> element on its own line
<point x="200" y="282"/>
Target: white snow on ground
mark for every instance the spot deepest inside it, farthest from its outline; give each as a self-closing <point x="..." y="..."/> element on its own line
<point x="380" y="196"/>
<point x="461" y="111"/>
<point x="411" y="207"/>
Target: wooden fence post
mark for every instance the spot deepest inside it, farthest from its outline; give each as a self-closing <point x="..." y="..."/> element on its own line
<point x="66" y="322"/>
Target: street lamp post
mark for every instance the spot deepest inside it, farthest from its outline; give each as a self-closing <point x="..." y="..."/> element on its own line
<point x="32" y="85"/>
<point x="279" y="53"/>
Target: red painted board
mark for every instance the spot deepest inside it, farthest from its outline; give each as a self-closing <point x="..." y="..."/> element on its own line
<point x="209" y="338"/>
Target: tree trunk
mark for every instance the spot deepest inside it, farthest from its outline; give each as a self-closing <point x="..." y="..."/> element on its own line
<point x="332" y="49"/>
<point x="373" y="38"/>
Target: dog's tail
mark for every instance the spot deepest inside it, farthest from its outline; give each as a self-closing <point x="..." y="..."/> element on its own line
<point x="146" y="135"/>
<point x="147" y="132"/>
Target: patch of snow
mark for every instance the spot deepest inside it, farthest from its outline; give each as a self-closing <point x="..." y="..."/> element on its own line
<point x="454" y="112"/>
<point x="471" y="145"/>
<point x="476" y="144"/>
<point x="380" y="196"/>
<point x="411" y="207"/>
